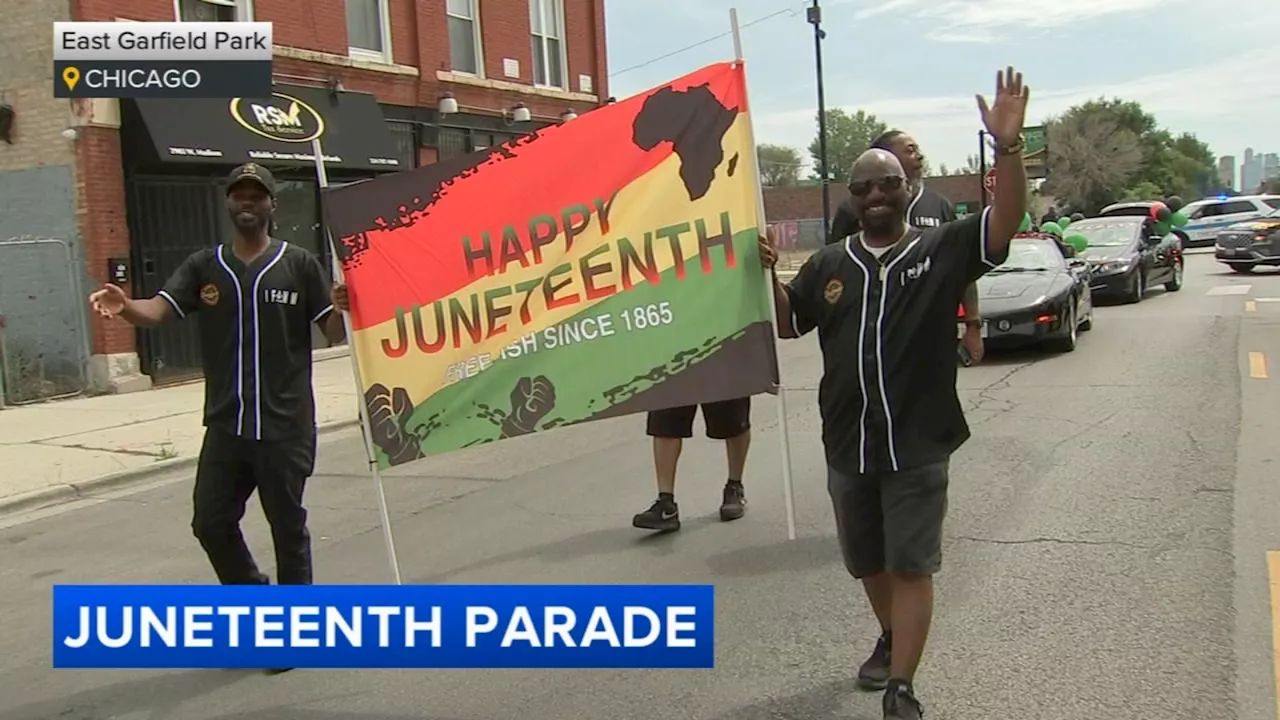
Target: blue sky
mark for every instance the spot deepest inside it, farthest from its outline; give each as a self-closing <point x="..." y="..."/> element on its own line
<point x="917" y="64"/>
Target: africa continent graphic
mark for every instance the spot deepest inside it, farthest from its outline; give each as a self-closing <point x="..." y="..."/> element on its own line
<point x="694" y="122"/>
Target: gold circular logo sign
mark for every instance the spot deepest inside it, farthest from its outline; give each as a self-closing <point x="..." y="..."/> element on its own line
<point x="283" y="118"/>
<point x="209" y="294"/>
<point x="832" y="292"/>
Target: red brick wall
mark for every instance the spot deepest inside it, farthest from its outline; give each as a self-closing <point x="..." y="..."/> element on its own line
<point x="101" y="219"/>
<point x="419" y="38"/>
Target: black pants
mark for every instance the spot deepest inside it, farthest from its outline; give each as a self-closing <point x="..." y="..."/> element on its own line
<point x="229" y="470"/>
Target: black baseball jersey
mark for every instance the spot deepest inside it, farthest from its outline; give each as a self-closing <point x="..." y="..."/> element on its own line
<point x="887" y="328"/>
<point x="928" y="209"/>
<point x="255" y="335"/>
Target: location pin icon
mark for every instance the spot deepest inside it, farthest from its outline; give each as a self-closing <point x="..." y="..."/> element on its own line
<point x="71" y="76"/>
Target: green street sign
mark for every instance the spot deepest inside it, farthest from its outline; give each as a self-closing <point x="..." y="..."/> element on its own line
<point x="1035" y="152"/>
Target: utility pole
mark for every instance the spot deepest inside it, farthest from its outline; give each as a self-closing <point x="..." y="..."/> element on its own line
<point x="815" y="19"/>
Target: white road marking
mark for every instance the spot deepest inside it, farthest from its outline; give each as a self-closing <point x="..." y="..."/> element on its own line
<point x="1229" y="290"/>
<point x="1266" y="299"/>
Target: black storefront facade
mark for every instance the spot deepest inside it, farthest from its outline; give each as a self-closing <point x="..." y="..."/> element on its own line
<point x="177" y="154"/>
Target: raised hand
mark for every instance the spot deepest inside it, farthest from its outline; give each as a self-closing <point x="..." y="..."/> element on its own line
<point x="1006" y="117"/>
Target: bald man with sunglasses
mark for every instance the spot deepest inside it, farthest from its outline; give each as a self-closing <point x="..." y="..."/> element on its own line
<point x="926" y="209"/>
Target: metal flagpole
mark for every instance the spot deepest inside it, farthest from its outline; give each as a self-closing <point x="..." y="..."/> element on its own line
<point x="783" y="434"/>
<point x="323" y="178"/>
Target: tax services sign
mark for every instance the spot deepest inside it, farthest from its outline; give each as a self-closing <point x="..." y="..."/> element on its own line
<point x="283" y="118"/>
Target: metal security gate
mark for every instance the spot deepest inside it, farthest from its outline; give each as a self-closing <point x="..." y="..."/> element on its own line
<point x="170" y="218"/>
<point x="44" y="341"/>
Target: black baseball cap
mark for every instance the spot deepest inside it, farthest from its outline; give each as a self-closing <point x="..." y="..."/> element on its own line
<point x="256" y="173"/>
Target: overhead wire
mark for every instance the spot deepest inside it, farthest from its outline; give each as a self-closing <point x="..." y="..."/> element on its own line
<point x="793" y="10"/>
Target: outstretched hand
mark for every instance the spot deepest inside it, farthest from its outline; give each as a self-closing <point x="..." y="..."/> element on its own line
<point x="109" y="301"/>
<point x="768" y="254"/>
<point x="1006" y="116"/>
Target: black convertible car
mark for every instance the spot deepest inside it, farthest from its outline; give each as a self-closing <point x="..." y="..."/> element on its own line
<point x="1127" y="257"/>
<point x="1037" y="296"/>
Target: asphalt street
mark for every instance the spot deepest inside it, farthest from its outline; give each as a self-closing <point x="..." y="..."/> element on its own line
<point x="1106" y="551"/>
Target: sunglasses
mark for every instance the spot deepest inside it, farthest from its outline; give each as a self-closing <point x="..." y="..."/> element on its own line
<point x="886" y="184"/>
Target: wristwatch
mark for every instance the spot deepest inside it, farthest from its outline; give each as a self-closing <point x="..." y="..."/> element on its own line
<point x="1013" y="148"/>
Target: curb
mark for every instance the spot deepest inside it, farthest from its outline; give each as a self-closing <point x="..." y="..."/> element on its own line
<point x="74" y="491"/>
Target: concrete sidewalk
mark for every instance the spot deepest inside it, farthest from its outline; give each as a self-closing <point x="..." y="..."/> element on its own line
<point x="55" y="450"/>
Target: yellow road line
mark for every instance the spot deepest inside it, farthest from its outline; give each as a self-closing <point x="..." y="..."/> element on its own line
<point x="1273" y="572"/>
<point x="1250" y="306"/>
<point x="1257" y="365"/>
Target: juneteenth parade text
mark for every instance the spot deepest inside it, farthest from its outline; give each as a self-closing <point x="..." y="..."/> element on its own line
<point x="615" y="265"/>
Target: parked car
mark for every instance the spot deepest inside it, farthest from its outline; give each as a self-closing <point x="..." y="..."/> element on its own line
<point x="1246" y="245"/>
<point x="1207" y="218"/>
<point x="1036" y="296"/>
<point x="1143" y="209"/>
<point x="1126" y="257"/>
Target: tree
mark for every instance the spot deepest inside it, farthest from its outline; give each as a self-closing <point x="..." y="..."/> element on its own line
<point x="1092" y="158"/>
<point x="1270" y="187"/>
<point x="779" y="165"/>
<point x="1168" y="165"/>
<point x="848" y="136"/>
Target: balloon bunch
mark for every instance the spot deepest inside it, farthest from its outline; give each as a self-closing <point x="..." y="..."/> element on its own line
<point x="1056" y="229"/>
<point x="1168" y="215"/>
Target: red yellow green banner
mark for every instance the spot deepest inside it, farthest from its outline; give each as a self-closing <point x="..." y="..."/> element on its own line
<point x="600" y="267"/>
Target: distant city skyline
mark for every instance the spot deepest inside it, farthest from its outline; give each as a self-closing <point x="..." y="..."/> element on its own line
<point x="1255" y="168"/>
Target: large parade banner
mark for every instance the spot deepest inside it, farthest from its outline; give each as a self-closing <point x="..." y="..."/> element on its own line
<point x="601" y="267"/>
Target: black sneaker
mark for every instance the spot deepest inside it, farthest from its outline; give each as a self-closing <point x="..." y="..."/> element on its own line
<point x="900" y="702"/>
<point x="663" y="515"/>
<point x="874" y="673"/>
<point x="735" y="501"/>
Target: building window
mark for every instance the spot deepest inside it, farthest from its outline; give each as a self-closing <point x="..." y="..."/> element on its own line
<point x="465" y="45"/>
<point x="369" y="29"/>
<point x="546" y="19"/>
<point x="214" y="10"/>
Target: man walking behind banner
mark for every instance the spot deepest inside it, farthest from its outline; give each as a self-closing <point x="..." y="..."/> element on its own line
<point x="257" y="298"/>
<point x="926" y="209"/>
<point x="884" y="304"/>
<point x="728" y="420"/>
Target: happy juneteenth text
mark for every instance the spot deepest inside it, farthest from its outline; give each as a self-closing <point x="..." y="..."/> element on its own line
<point x="485" y="315"/>
<point x="390" y="626"/>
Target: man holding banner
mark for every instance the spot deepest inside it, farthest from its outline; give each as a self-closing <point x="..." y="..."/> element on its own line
<point x="884" y="304"/>
<point x="257" y="298"/>
<point x="728" y="420"/>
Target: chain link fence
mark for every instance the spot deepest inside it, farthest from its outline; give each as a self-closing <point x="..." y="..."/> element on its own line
<point x="796" y="240"/>
<point x="44" y="340"/>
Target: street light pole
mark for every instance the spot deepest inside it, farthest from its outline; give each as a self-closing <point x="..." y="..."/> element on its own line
<point x="815" y="19"/>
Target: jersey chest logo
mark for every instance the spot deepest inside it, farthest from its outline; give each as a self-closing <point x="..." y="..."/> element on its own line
<point x="916" y="271"/>
<point x="832" y="292"/>
<point x="209" y="294"/>
<point x="927" y="222"/>
<point x="280" y="297"/>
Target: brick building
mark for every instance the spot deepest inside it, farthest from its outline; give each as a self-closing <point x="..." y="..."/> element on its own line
<point x="134" y="186"/>
<point x="805" y="203"/>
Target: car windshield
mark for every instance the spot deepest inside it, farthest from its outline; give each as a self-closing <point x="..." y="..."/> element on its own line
<point x="1032" y="255"/>
<point x="1104" y="234"/>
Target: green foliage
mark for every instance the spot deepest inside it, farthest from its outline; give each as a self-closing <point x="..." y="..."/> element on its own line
<point x="1109" y="150"/>
<point x="848" y="136"/>
<point x="779" y="165"/>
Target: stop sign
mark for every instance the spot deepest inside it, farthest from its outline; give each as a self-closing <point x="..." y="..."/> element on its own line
<point x="989" y="181"/>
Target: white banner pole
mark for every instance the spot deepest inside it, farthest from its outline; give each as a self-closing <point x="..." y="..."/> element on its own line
<point x="366" y="430"/>
<point x="784" y="436"/>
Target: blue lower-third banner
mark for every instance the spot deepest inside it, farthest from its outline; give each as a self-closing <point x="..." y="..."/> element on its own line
<point x="356" y="626"/>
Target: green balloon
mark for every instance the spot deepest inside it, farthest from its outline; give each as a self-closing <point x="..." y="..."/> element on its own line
<point x="1178" y="219"/>
<point x="1079" y="242"/>
<point x="1052" y="228"/>
<point x="1164" y="227"/>
<point x="1064" y="221"/>
<point x="1026" y="223"/>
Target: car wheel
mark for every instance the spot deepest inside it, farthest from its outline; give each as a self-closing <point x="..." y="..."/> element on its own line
<point x="1138" y="287"/>
<point x="1087" y="324"/>
<point x="1175" y="284"/>
<point x="1068" y="342"/>
<point x="1242" y="268"/>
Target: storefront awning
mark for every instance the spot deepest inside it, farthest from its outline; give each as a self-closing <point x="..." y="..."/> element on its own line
<point x="275" y="132"/>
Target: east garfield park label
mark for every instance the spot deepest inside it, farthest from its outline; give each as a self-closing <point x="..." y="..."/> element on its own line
<point x="162" y="60"/>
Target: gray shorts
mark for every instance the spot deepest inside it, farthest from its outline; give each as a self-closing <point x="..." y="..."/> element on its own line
<point x="891" y="521"/>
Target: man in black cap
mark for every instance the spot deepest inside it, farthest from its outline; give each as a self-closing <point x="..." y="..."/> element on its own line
<point x="257" y="298"/>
